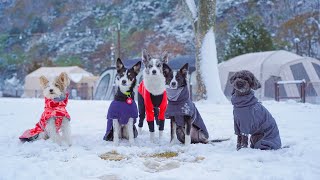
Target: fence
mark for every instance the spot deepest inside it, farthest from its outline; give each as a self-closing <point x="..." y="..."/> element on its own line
<point x="307" y="91"/>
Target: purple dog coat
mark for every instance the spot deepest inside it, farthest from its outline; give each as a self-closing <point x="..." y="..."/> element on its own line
<point x="122" y="111"/>
<point x="251" y="117"/>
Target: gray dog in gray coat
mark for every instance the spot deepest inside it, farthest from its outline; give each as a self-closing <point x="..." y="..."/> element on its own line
<point x="250" y="116"/>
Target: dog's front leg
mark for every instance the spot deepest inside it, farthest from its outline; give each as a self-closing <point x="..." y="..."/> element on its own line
<point x="188" y="124"/>
<point x="52" y="131"/>
<point x="173" y="130"/>
<point x="130" y="131"/>
<point x="116" y="130"/>
<point x="66" y="131"/>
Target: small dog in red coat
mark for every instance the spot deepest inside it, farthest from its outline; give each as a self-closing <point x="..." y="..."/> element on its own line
<point x="55" y="118"/>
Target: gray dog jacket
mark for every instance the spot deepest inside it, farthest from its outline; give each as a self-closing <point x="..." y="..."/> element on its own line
<point x="251" y="117"/>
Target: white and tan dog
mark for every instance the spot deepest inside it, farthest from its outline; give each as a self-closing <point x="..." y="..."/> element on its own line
<point x="55" y="119"/>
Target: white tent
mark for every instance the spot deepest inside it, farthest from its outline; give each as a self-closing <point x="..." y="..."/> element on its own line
<point x="78" y="77"/>
<point x="270" y="67"/>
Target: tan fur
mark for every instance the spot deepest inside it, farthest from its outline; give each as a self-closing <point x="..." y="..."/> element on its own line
<point x="43" y="81"/>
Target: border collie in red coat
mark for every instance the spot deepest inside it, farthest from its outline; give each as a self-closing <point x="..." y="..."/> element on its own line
<point x="152" y="96"/>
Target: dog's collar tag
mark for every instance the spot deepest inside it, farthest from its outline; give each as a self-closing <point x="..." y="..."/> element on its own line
<point x="129" y="100"/>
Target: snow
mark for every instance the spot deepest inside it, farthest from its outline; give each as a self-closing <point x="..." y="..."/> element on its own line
<point x="298" y="123"/>
<point x="209" y="66"/>
<point x="192" y="7"/>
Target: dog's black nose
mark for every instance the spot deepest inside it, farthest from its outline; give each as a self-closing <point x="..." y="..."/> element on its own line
<point x="124" y="81"/>
<point x="51" y="90"/>
<point x="240" y="84"/>
<point x="173" y="84"/>
<point x="154" y="72"/>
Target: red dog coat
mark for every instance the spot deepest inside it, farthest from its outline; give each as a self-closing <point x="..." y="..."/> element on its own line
<point x="148" y="103"/>
<point x="56" y="109"/>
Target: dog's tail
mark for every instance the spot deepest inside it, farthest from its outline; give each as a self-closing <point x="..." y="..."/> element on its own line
<point x="219" y="140"/>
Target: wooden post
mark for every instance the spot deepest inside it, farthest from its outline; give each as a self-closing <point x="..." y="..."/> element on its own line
<point x="303" y="91"/>
<point x="276" y="91"/>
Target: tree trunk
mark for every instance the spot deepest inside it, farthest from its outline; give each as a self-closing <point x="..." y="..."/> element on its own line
<point x="206" y="20"/>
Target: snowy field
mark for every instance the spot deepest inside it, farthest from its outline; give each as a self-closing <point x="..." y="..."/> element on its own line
<point x="299" y="126"/>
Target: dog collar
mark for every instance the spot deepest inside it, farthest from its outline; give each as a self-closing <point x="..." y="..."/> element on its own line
<point x="127" y="94"/>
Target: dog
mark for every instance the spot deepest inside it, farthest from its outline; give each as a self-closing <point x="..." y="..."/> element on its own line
<point x="55" y="119"/>
<point x="250" y="116"/>
<point x="187" y="124"/>
<point x="152" y="96"/>
<point x="122" y="112"/>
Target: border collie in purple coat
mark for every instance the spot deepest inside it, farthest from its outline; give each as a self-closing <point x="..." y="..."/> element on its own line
<point x="123" y="111"/>
<point x="250" y="116"/>
<point x="187" y="124"/>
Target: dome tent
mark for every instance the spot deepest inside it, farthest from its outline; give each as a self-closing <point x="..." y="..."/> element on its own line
<point x="270" y="67"/>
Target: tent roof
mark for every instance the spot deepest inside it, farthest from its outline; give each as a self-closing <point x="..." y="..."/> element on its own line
<point x="75" y="73"/>
<point x="255" y="60"/>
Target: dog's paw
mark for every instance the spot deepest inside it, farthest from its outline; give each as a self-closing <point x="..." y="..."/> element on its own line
<point x="152" y="137"/>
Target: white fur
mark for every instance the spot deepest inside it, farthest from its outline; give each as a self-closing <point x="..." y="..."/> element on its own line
<point x="128" y="131"/>
<point x="174" y="139"/>
<point x="54" y="135"/>
<point x="152" y="137"/>
<point x="124" y="87"/>
<point x="187" y="138"/>
<point x="54" y="94"/>
<point x="160" y="135"/>
<point x="155" y="84"/>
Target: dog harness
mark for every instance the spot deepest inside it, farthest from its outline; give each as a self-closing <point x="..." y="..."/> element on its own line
<point x="251" y="117"/>
<point x="149" y="104"/>
<point x="54" y="108"/>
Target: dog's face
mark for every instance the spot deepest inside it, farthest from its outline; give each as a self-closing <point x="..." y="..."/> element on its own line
<point x="126" y="78"/>
<point x="55" y="88"/>
<point x="153" y="66"/>
<point x="175" y="79"/>
<point x="243" y="81"/>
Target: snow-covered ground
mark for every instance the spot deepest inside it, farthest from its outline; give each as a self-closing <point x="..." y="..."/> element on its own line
<point x="299" y="126"/>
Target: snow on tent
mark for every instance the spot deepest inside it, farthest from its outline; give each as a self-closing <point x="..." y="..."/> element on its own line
<point x="272" y="66"/>
<point x="105" y="87"/>
<point x="81" y="81"/>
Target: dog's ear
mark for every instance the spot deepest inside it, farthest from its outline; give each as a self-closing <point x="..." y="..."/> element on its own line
<point x="145" y="56"/>
<point x="184" y="70"/>
<point x="119" y="64"/>
<point x="255" y="84"/>
<point x="136" y="68"/>
<point x="232" y="78"/>
<point x="43" y="81"/>
<point x="166" y="70"/>
<point x="63" y="77"/>
<point x="165" y="57"/>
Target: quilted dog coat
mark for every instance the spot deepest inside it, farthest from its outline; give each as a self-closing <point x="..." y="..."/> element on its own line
<point x="180" y="105"/>
<point x="54" y="108"/>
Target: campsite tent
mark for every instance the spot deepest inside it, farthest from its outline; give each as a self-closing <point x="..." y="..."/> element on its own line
<point x="272" y="66"/>
<point x="81" y="81"/>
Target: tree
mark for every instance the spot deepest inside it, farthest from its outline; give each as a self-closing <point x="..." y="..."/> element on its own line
<point x="203" y="18"/>
<point x="248" y="36"/>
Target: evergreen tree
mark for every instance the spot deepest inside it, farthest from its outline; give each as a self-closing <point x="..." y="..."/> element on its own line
<point x="247" y="37"/>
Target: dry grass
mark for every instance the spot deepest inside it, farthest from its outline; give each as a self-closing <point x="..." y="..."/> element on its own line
<point x="112" y="156"/>
<point x="168" y="154"/>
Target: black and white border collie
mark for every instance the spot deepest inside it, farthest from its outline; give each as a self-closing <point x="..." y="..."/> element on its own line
<point x="152" y="97"/>
<point x="123" y="111"/>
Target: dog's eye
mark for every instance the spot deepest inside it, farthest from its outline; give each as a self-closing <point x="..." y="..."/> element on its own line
<point x="57" y="85"/>
<point x="150" y="66"/>
<point x="118" y="77"/>
<point x="159" y="65"/>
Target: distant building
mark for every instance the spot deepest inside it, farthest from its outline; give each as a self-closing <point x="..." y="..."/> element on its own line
<point x="81" y="81"/>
